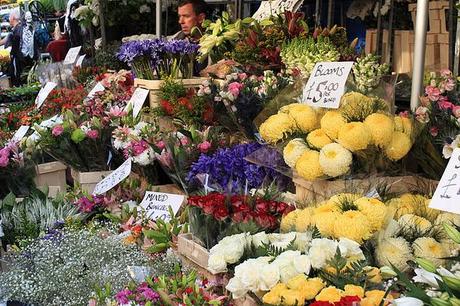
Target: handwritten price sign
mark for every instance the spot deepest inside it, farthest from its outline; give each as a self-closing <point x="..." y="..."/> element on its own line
<point x="114" y="178"/>
<point x="326" y="84"/>
<point x="447" y="194"/>
<point x="157" y="204"/>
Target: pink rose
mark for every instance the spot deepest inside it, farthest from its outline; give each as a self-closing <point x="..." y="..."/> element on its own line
<point x="160" y="144"/>
<point x="57" y="130"/>
<point x="433" y="93"/>
<point x="242" y="76"/>
<point x="204" y="146"/>
<point x="444" y="104"/>
<point x="93" y="134"/>
<point x="456" y="111"/>
<point x="449" y="84"/>
<point x="434" y="131"/>
<point x="424" y="101"/>
<point x="446" y="73"/>
<point x="234" y="88"/>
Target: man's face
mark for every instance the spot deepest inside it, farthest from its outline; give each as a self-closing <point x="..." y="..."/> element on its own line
<point x="188" y="19"/>
<point x="13" y="21"/>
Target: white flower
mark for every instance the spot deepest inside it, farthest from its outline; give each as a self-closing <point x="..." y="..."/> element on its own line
<point x="407" y="301"/>
<point x="302" y="264"/>
<point x="145" y="158"/>
<point x="269" y="277"/>
<point x="236" y="287"/>
<point x="285" y="264"/>
<point x="322" y="250"/>
<point x="216" y="263"/>
<point x="302" y="240"/>
<point x="425" y="277"/>
<point x="392" y="229"/>
<point x="281" y="240"/>
<point x="350" y="249"/>
<point x="259" y="239"/>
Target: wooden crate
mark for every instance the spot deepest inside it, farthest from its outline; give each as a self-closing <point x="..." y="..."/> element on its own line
<point x="437" y="13"/>
<point x="310" y="192"/>
<point x="53" y="176"/>
<point x="189" y="248"/>
<point x="88" y="180"/>
<point x="154" y="87"/>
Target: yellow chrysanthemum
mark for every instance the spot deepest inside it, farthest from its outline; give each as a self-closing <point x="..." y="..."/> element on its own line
<point x="338" y="199"/>
<point x="374" y="210"/>
<point x="297" y="282"/>
<point x="313" y="287"/>
<point x="400" y="207"/>
<point x="308" y="166"/>
<point x="276" y="127"/>
<point x="335" y="160"/>
<point x="330" y="294"/>
<point x="374" y="275"/>
<point x="429" y="248"/>
<point x="304" y="219"/>
<point x="288" y="222"/>
<point x="398" y="147"/>
<point x="353" y="225"/>
<point x="396" y="251"/>
<point x="292" y="297"/>
<point x="280" y="287"/>
<point x="410" y="221"/>
<point x="329" y="206"/>
<point x="325" y="222"/>
<point x="381" y="127"/>
<point x="373" y="298"/>
<point x="293" y="150"/>
<point x="352" y="290"/>
<point x="318" y="139"/>
<point x="398" y="124"/>
<point x="354" y="136"/>
<point x="271" y="298"/>
<point x="331" y="123"/>
<point x="303" y="115"/>
<point x="404" y="125"/>
<point x="352" y="103"/>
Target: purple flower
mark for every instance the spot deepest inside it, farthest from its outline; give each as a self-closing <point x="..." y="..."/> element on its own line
<point x="148" y="293"/>
<point x="122" y="297"/>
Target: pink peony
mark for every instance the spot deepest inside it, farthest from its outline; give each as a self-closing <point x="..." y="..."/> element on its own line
<point x="456" y="111"/>
<point x="234" y="88"/>
<point x="445" y="104"/>
<point x="204" y="146"/>
<point x="433" y="93"/>
<point x="57" y="130"/>
<point x="93" y="134"/>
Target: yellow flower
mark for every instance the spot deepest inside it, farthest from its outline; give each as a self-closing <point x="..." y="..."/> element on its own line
<point x="396" y="251"/>
<point x="312" y="288"/>
<point x="453" y="219"/>
<point x="276" y="127"/>
<point x="352" y="290"/>
<point x="297" y="282"/>
<point x="353" y="225"/>
<point x="429" y="248"/>
<point x="304" y="219"/>
<point x="329" y="206"/>
<point x="373" y="298"/>
<point x="303" y="115"/>
<point x="318" y="139"/>
<point x="271" y="298"/>
<point x="293" y="150"/>
<point x="374" y="210"/>
<point x="411" y="221"/>
<point x="308" y="165"/>
<point x="353" y="103"/>
<point x="292" y="297"/>
<point x="335" y="160"/>
<point x="400" y="207"/>
<point x="408" y="126"/>
<point x="331" y="123"/>
<point x="288" y="222"/>
<point x="280" y="287"/>
<point x="325" y="222"/>
<point x="329" y="294"/>
<point x="354" y="136"/>
<point x="343" y="197"/>
<point x="374" y="275"/>
<point x="381" y="127"/>
<point x="398" y="124"/>
<point x="398" y="147"/>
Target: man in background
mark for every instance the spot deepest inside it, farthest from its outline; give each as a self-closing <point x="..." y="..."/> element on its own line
<point x="191" y="13"/>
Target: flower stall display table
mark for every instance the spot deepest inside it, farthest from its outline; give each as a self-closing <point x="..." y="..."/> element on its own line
<point x="154" y="87"/>
<point x="53" y="176"/>
<point x="88" y="180"/>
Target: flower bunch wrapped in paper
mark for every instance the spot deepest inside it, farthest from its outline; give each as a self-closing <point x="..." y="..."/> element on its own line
<point x="217" y="215"/>
<point x="157" y="58"/>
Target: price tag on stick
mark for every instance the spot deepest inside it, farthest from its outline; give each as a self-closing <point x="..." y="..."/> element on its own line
<point x="20" y="133"/>
<point x="44" y="93"/>
<point x="72" y="55"/>
<point x="137" y="100"/>
<point x="447" y="194"/>
<point x="114" y="178"/>
<point x="80" y="60"/>
<point x="97" y="88"/>
<point x="157" y="204"/>
<point x="326" y="84"/>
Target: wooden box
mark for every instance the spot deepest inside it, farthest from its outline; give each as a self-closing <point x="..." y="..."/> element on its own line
<point x="88" y="180"/>
<point x="189" y="248"/>
<point x="52" y="175"/>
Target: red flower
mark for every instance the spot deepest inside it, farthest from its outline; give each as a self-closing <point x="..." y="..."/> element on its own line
<point x="321" y="303"/>
<point x="188" y="290"/>
<point x="266" y="221"/>
<point x="208" y="114"/>
<point x="241" y="217"/>
<point x="347" y="301"/>
<point x="221" y="213"/>
<point x="167" y="107"/>
<point x="262" y="206"/>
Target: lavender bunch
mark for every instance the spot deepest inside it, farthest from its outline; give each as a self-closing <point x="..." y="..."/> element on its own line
<point x="229" y="170"/>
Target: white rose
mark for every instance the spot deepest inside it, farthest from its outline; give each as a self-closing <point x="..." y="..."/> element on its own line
<point x="321" y="250"/>
<point x="249" y="274"/>
<point x="302" y="264"/>
<point x="236" y="287"/>
<point x="217" y="264"/>
<point x="269" y="277"/>
<point x="233" y="253"/>
<point x="281" y="240"/>
<point x="259" y="239"/>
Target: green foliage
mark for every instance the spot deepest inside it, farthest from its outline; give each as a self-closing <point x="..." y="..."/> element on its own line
<point x="107" y="59"/>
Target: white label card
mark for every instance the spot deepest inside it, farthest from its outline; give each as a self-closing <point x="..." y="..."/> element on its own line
<point x="72" y="55"/>
<point x="137" y="100"/>
<point x="447" y="194"/>
<point x="43" y="94"/>
<point x="114" y="178"/>
<point x="80" y="60"/>
<point x="157" y="204"/>
<point x="20" y="133"/>
<point x="97" y="88"/>
<point x="326" y="84"/>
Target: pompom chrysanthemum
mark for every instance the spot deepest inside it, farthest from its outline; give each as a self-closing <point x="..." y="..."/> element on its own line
<point x="354" y="136"/>
<point x="308" y="166"/>
<point x="430" y="249"/>
<point x="335" y="160"/>
<point x="276" y="127"/>
<point x="318" y="139"/>
<point x="394" y="251"/>
<point x="374" y="210"/>
<point x="353" y="225"/>
<point x="293" y="150"/>
<point x="418" y="223"/>
<point x="331" y="123"/>
<point x="303" y="115"/>
<point x="398" y="147"/>
<point x="381" y="127"/>
<point x="304" y="219"/>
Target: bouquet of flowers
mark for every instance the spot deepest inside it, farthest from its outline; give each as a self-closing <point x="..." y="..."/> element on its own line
<point x="158" y="58"/>
<point x="215" y="215"/>
<point x="4" y="59"/>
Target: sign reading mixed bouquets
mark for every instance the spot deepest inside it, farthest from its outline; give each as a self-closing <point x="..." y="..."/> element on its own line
<point x="114" y="178"/>
<point x="72" y="55"/>
<point x="326" y="84"/>
<point x="137" y="100"/>
<point x="447" y="194"/>
<point x="20" y="133"/>
<point x="44" y="93"/>
<point x="157" y="204"/>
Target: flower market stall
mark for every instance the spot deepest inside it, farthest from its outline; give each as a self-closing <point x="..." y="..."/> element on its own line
<point x="282" y="173"/>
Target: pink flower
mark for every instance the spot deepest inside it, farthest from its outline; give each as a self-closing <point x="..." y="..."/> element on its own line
<point x="184" y="141"/>
<point x="165" y="158"/>
<point x="434" y="131"/>
<point x="444" y="104"/>
<point x="234" y="88"/>
<point x="456" y="111"/>
<point x="93" y="134"/>
<point x="4" y="157"/>
<point x="424" y="101"/>
<point x="446" y="73"/>
<point x="449" y="84"/>
<point x="116" y="111"/>
<point x="160" y="144"/>
<point x="404" y="114"/>
<point x="57" y="130"/>
<point x="139" y="147"/>
<point x="433" y="93"/>
<point x="204" y="146"/>
<point x="421" y="114"/>
<point x="242" y="76"/>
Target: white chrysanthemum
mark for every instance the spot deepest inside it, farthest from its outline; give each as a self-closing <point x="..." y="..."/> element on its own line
<point x="335" y="160"/>
<point x="293" y="150"/>
<point x="322" y="250"/>
<point x="410" y="221"/>
<point x="394" y="251"/>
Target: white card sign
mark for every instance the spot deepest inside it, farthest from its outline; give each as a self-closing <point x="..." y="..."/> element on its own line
<point x="97" y="88"/>
<point x="447" y="194"/>
<point x="157" y="204"/>
<point x="137" y="100"/>
<point x="80" y="60"/>
<point x="20" y="133"/>
<point x="114" y="178"/>
<point x="72" y="55"/>
<point x="43" y="94"/>
<point x="326" y="84"/>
